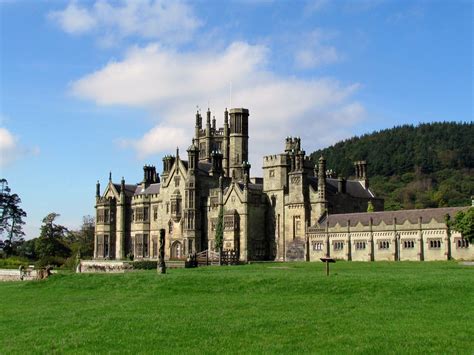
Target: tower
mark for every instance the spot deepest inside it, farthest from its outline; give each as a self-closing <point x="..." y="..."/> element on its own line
<point x="238" y="141"/>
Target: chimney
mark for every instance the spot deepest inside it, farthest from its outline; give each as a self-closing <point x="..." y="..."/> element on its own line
<point x="341" y="185"/>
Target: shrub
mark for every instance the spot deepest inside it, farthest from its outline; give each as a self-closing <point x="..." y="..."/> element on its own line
<point x="13" y="263"/>
<point x="50" y="261"/>
<point x="144" y="265"/>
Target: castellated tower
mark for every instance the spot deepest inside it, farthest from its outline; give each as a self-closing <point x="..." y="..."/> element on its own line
<point x="230" y="141"/>
<point x="238" y="141"/>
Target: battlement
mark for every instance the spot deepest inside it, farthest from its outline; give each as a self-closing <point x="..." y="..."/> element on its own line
<point x="292" y="144"/>
<point x="275" y="160"/>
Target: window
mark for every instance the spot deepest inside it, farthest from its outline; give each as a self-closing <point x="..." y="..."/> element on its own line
<point x="145" y="245"/>
<point x="176" y="181"/>
<point x="170" y="227"/>
<point x="103" y="215"/>
<point x="155" y="245"/>
<point x="138" y="245"/>
<point x="190" y="246"/>
<point x="296" y="226"/>
<point x="317" y="246"/>
<point x="462" y="243"/>
<point x="435" y="244"/>
<point x="272" y="173"/>
<point x="384" y="244"/>
<point x="141" y="214"/>
<point x="106" y="246"/>
<point x="167" y="207"/>
<point x="155" y="213"/>
<point x="338" y="245"/>
<point x="360" y="245"/>
<point x="408" y="244"/>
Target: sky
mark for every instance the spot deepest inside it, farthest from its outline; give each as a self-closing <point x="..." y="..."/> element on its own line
<point x="88" y="87"/>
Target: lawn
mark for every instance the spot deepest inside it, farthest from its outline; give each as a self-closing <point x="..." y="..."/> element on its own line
<point x="404" y="307"/>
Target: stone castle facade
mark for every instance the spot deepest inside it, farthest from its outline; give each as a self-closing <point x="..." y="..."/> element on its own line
<point x="289" y="214"/>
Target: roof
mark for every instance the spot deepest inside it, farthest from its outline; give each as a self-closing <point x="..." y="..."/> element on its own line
<point x="354" y="188"/>
<point x="388" y="216"/>
<point x="150" y="189"/>
<point x="129" y="189"/>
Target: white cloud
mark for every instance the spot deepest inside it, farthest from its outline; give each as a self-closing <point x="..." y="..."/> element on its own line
<point x="313" y="50"/>
<point x="169" y="21"/>
<point x="313" y="6"/>
<point x="10" y="148"/>
<point x="170" y="84"/>
<point x="74" y="19"/>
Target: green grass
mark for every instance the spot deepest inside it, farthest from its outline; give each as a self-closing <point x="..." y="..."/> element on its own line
<point x="261" y="308"/>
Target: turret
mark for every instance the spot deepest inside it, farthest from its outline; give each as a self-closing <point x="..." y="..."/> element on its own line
<point x="208" y="135"/>
<point x="198" y="125"/>
<point x="122" y="189"/>
<point x="193" y="157"/>
<point x="225" y="144"/>
<point x="238" y="140"/>
<point x="322" y="179"/>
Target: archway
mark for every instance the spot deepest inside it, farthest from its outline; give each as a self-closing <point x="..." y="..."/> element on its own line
<point x="176" y="250"/>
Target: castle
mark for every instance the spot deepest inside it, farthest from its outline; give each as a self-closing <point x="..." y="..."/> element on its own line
<point x="297" y="211"/>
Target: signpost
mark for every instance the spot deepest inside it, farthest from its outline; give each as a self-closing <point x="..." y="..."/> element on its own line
<point x="327" y="261"/>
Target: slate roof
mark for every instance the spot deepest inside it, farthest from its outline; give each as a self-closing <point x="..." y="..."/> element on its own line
<point x="151" y="189"/>
<point x="129" y="189"/>
<point x="388" y="216"/>
<point x="353" y="187"/>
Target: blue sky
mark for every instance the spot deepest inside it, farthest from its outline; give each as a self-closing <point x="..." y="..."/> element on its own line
<point x="89" y="87"/>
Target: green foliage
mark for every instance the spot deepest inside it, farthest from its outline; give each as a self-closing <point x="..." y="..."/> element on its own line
<point x="51" y="260"/>
<point x="219" y="237"/>
<point x="464" y="224"/>
<point x="430" y="165"/>
<point x="13" y="262"/>
<point x="11" y="218"/>
<point x="144" y="265"/>
<point x="82" y="240"/>
<point x="52" y="240"/>
<point x="262" y="308"/>
<point x="370" y="207"/>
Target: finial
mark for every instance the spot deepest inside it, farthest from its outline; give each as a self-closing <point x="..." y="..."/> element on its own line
<point x="110" y="176"/>
<point x="177" y="152"/>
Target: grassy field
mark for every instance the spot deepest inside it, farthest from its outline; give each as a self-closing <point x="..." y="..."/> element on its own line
<point x="261" y="308"/>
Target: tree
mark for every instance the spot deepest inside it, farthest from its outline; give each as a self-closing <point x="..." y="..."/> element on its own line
<point x="51" y="241"/>
<point x="11" y="217"/>
<point x="219" y="237"/>
<point x="464" y="224"/>
<point x="82" y="241"/>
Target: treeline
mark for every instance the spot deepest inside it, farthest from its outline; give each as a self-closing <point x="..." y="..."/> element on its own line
<point x="429" y="165"/>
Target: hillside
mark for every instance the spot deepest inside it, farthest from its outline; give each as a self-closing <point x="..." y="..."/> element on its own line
<point x="429" y="165"/>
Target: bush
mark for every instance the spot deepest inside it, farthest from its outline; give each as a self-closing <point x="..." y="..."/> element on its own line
<point x="50" y="261"/>
<point x="70" y="263"/>
<point x="13" y="263"/>
<point x="144" y="265"/>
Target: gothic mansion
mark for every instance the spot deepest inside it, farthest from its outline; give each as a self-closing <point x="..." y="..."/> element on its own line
<point x="289" y="214"/>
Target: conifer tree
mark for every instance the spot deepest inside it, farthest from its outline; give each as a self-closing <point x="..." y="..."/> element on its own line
<point x="219" y="237"/>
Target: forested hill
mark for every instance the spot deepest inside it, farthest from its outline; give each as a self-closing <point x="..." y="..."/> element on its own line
<point x="429" y="165"/>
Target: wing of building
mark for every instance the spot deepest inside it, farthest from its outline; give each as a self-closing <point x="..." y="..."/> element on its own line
<point x="288" y="214"/>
